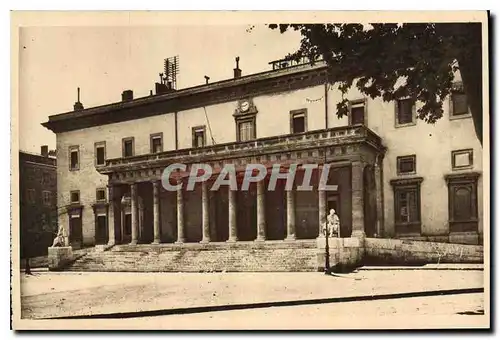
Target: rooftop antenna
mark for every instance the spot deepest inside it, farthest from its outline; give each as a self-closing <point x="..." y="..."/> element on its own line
<point x="237" y="62"/>
<point x="78" y="94"/>
<point x="207" y="79"/>
<point x="171" y="69"/>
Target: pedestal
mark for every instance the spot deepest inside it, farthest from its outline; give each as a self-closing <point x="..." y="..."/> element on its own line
<point x="59" y="257"/>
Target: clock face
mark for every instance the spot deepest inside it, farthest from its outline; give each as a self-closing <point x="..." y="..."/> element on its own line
<point x="244" y="106"/>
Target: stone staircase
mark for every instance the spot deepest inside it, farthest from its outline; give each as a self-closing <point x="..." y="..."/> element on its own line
<point x="241" y="256"/>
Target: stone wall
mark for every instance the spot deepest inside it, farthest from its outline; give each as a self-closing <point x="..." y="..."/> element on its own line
<point x="406" y="252"/>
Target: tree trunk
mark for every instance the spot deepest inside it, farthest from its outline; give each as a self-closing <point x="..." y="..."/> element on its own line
<point x="27" y="269"/>
<point x="470" y="65"/>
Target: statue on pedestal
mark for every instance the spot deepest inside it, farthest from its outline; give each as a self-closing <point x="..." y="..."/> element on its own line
<point x="330" y="228"/>
<point x="60" y="239"/>
<point x="333" y="223"/>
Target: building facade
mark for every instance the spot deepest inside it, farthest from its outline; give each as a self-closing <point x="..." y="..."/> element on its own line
<point x="396" y="176"/>
<point x="37" y="201"/>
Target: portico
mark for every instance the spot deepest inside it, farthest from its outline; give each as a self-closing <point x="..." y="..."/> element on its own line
<point x="141" y="210"/>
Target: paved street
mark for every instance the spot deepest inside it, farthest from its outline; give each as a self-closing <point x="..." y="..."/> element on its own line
<point x="47" y="294"/>
<point x="331" y="315"/>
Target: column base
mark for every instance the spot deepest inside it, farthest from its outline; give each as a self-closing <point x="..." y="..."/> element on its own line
<point x="181" y="241"/>
<point x="111" y="243"/>
<point x="204" y="241"/>
<point x="156" y="242"/>
<point x="133" y="243"/>
<point x="232" y="240"/>
<point x="260" y="239"/>
<point x="358" y="233"/>
<point x="290" y="239"/>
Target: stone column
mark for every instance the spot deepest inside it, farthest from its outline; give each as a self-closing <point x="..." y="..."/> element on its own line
<point x="156" y="212"/>
<point x="180" y="215"/>
<point x="111" y="216"/>
<point x="379" y="195"/>
<point x="261" y="212"/>
<point x="135" y="215"/>
<point x="231" y="197"/>
<point x="205" y="213"/>
<point x="321" y="205"/>
<point x="358" y="229"/>
<point x="290" y="215"/>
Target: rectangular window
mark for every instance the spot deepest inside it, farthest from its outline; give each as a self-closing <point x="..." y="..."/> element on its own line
<point x="100" y="194"/>
<point x="128" y="147"/>
<point x="405" y="112"/>
<point x="462" y="202"/>
<point x="407" y="205"/>
<point x="46" y="198"/>
<point x="246" y="130"/>
<point x="75" y="196"/>
<point x="459" y="105"/>
<point x="31" y="196"/>
<point x="407" y="165"/>
<point x="357" y="112"/>
<point x="45" y="178"/>
<point x="100" y="153"/>
<point x="461" y="159"/>
<point x="156" y="142"/>
<point x="298" y="121"/>
<point x="199" y="135"/>
<point x="74" y="158"/>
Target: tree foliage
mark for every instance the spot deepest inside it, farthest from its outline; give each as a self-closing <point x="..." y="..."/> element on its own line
<point x="395" y="61"/>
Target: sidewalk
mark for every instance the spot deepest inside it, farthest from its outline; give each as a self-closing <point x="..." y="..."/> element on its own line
<point x="48" y="295"/>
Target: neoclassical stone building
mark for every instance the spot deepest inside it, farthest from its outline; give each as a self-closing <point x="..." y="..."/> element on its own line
<point x="397" y="177"/>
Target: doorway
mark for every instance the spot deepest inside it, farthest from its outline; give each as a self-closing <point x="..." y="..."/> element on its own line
<point x="101" y="230"/>
<point x="75" y="232"/>
<point x="127" y="228"/>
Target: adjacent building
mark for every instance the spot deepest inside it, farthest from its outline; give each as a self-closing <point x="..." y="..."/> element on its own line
<point x="397" y="177"/>
<point x="37" y="201"/>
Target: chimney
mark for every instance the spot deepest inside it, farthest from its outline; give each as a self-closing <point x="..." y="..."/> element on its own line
<point x="127" y="95"/>
<point x="160" y="88"/>
<point x="44" y="150"/>
<point x="237" y="71"/>
<point x="207" y="79"/>
<point x="78" y="106"/>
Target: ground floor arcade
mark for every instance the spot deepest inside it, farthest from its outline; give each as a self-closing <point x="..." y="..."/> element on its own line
<point x="145" y="212"/>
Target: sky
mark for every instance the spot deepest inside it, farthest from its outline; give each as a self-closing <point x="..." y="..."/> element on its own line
<point x="104" y="61"/>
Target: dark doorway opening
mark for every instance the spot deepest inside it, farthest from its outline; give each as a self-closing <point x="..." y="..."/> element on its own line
<point x="76" y="235"/>
<point x="127" y="228"/>
<point x="101" y="230"/>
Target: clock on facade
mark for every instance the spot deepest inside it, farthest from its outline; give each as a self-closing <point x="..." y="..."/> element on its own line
<point x="244" y="106"/>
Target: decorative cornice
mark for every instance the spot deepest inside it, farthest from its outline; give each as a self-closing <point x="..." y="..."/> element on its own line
<point x="462" y="176"/>
<point x="406" y="181"/>
<point x="311" y="147"/>
<point x="100" y="204"/>
<point x="189" y="98"/>
<point x="73" y="206"/>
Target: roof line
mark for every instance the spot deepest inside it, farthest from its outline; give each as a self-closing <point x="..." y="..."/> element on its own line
<point x="189" y="90"/>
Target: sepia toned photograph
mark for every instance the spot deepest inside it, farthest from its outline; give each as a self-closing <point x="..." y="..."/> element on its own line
<point x="250" y="170"/>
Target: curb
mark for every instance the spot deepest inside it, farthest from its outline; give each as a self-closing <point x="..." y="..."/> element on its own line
<point x="434" y="267"/>
<point x="217" y="308"/>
